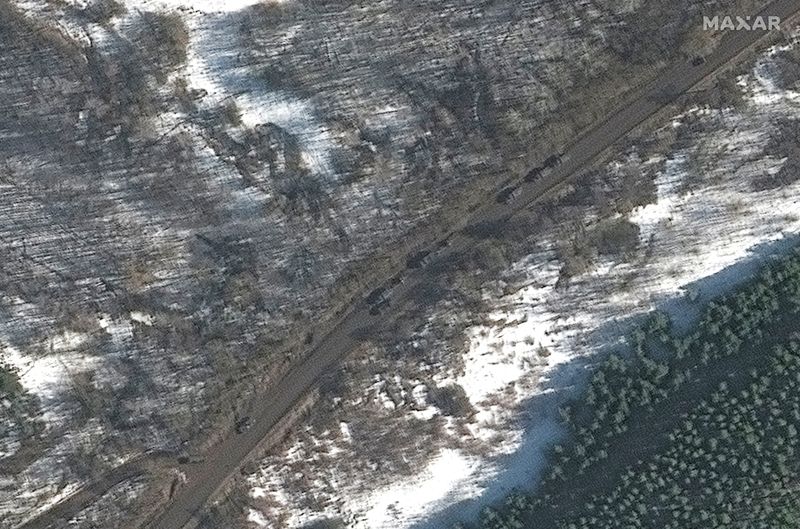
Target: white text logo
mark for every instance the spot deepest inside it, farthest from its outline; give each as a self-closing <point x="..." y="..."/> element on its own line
<point x="729" y="23"/>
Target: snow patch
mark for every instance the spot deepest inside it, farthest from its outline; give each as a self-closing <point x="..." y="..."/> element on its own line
<point x="257" y="518"/>
<point x="700" y="225"/>
<point x="392" y="506"/>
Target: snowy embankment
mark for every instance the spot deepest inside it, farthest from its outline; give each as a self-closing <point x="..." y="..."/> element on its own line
<point x="707" y="220"/>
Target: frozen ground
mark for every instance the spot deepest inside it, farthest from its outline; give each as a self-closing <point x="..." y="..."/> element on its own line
<point x="707" y="224"/>
<point x="146" y="266"/>
<point x="157" y="257"/>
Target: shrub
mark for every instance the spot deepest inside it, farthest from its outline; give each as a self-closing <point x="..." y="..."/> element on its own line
<point x="617" y="237"/>
<point x="451" y="400"/>
<point x="103" y="11"/>
<point x="328" y="523"/>
<point x="232" y="114"/>
<point x="9" y="383"/>
<point x="164" y="38"/>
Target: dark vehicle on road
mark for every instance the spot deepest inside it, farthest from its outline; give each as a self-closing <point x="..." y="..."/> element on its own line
<point x="243" y="424"/>
<point x="421" y="258"/>
<point x="534" y="174"/>
<point x="379" y="298"/>
<point x="552" y="162"/>
<point x="543" y="170"/>
<point x="418" y="259"/>
<point x="376" y="296"/>
<point x="508" y="195"/>
<point x="378" y="307"/>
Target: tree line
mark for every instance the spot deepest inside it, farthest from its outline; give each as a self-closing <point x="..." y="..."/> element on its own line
<point x="698" y="429"/>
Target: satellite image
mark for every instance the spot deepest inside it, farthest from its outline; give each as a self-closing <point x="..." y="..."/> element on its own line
<point x="453" y="264"/>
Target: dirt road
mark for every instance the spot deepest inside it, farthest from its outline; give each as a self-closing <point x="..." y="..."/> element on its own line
<point x="224" y="459"/>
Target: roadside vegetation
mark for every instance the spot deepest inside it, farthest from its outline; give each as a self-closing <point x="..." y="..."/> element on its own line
<point x="21" y="430"/>
<point x="9" y="383"/>
<point x="511" y="122"/>
<point x="696" y="429"/>
<point x="104" y="12"/>
<point x="163" y="39"/>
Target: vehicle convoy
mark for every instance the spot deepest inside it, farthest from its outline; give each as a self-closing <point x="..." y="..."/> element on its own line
<point x="277" y="401"/>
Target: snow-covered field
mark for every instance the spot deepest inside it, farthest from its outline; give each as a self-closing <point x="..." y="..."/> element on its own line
<point x="696" y="240"/>
<point x="107" y="217"/>
<point x="523" y="349"/>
